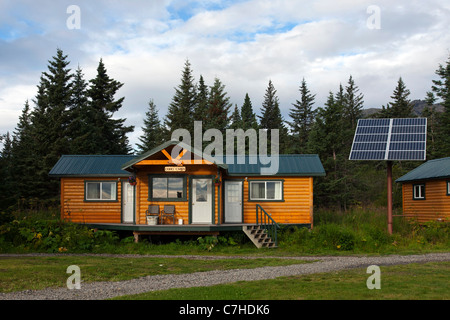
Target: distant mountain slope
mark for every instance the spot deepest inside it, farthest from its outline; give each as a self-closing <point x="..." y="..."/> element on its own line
<point x="418" y="107"/>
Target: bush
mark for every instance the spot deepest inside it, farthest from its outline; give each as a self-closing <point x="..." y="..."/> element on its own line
<point x="366" y="232"/>
<point x="52" y="236"/>
<point x="209" y="242"/>
<point x="333" y="236"/>
<point x="433" y="231"/>
<point x="328" y="237"/>
<point x="5" y="217"/>
<point x="376" y="235"/>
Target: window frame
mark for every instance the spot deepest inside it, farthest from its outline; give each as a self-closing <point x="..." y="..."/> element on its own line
<point x="422" y="196"/>
<point x="251" y="199"/>
<point x="115" y="193"/>
<point x="448" y="187"/>
<point x="166" y="176"/>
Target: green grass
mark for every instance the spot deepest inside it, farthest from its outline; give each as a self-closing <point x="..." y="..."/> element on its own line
<point x="364" y="231"/>
<point x="357" y="231"/>
<point x="429" y="281"/>
<point x="26" y="273"/>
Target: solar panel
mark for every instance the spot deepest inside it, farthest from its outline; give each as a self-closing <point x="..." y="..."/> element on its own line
<point x="390" y="139"/>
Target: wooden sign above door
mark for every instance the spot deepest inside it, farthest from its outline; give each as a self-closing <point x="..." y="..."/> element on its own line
<point x="174" y="169"/>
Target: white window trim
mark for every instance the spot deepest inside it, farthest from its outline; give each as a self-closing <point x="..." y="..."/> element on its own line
<point x="113" y="192"/>
<point x="419" y="187"/>
<point x="265" y="190"/>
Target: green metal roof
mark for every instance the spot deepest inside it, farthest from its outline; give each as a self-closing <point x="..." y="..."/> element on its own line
<point x="115" y="165"/>
<point x="295" y="165"/>
<point x="288" y="165"/>
<point x="90" y="165"/>
<point x="433" y="169"/>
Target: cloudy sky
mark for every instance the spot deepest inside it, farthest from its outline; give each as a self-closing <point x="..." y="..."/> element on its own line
<point x="245" y="43"/>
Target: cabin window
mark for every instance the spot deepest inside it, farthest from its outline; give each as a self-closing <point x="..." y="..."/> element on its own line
<point x="448" y="188"/>
<point x="100" y="191"/>
<point x="419" y="192"/>
<point x="167" y="188"/>
<point x="266" y="190"/>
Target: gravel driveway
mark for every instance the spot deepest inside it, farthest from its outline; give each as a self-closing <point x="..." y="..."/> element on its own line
<point x="105" y="290"/>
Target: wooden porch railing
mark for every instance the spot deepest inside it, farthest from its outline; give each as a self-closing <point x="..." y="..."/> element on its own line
<point x="266" y="222"/>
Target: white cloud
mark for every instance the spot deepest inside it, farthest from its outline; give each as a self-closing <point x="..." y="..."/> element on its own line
<point x="244" y="43"/>
<point x="12" y="101"/>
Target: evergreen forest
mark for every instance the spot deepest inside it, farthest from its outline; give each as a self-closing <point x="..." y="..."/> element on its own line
<point x="73" y="115"/>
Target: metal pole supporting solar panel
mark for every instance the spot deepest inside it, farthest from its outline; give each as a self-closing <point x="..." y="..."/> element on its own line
<point x="390" y="140"/>
<point x="389" y="195"/>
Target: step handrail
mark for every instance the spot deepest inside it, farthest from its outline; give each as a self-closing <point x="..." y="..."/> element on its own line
<point x="266" y="221"/>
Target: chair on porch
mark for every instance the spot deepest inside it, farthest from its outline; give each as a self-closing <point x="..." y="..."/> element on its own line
<point x="153" y="211"/>
<point x="168" y="212"/>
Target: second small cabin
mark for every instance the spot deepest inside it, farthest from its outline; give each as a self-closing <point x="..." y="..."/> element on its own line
<point x="426" y="191"/>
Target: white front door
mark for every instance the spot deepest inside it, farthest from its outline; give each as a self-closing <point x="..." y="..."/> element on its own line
<point x="202" y="200"/>
<point x="233" y="201"/>
<point x="127" y="202"/>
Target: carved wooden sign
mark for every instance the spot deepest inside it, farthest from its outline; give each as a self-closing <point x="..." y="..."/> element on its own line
<point x="174" y="169"/>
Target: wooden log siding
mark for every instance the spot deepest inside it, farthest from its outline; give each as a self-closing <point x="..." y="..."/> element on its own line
<point x="436" y="204"/>
<point x="297" y="207"/>
<point x="181" y="207"/>
<point x="74" y="207"/>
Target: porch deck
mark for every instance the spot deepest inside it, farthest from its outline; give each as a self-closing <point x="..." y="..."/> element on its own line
<point x="170" y="229"/>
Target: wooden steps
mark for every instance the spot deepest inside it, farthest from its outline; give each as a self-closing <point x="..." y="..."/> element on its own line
<point x="258" y="236"/>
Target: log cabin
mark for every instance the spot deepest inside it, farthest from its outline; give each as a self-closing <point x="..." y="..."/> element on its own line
<point x="176" y="191"/>
<point x="426" y="191"/>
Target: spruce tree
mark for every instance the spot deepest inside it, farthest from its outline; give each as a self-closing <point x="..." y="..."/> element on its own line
<point x="152" y="131"/>
<point x="432" y="116"/>
<point x="218" y="107"/>
<point x="235" y="119"/>
<point x="352" y="111"/>
<point x="7" y="187"/>
<point x="441" y="88"/>
<point x="23" y="155"/>
<point x="302" y="118"/>
<point x="271" y="118"/>
<point x="110" y="134"/>
<point x="401" y="106"/>
<point x="248" y="117"/>
<point x="326" y="140"/>
<point x="235" y="124"/>
<point x="201" y="106"/>
<point x="245" y="120"/>
<point x="79" y="132"/>
<point x="267" y="118"/>
<point x="49" y="122"/>
<point x="180" y="114"/>
<point x="331" y="138"/>
<point x="326" y="135"/>
<point x="353" y="103"/>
